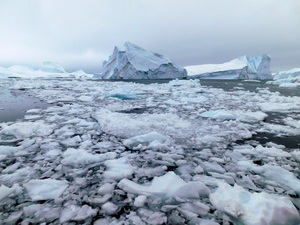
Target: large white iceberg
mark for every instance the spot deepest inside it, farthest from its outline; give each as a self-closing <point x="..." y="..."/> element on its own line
<point x="241" y="68"/>
<point x="133" y="62"/>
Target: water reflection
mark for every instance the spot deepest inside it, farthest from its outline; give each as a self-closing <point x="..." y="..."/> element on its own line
<point x="15" y="103"/>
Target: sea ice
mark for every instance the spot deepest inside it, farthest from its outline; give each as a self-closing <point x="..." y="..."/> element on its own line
<point x="118" y="169"/>
<point x="6" y="191"/>
<point x="168" y="185"/>
<point x="219" y="114"/>
<point x="22" y="130"/>
<point x="122" y="94"/>
<point x="45" y="189"/>
<point x="81" y="157"/>
<point x="253" y="208"/>
<point x="145" y="139"/>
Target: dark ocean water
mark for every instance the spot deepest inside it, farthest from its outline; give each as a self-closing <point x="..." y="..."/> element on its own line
<point x="15" y="103"/>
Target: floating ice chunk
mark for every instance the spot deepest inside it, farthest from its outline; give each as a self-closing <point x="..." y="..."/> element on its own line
<point x="109" y="208"/>
<point x="122" y="94"/>
<point x="279" y="129"/>
<point x="256" y="208"/>
<point x="278" y="107"/>
<point x="128" y="125"/>
<point x="169" y="185"/>
<point x="118" y="169"/>
<point x="84" y="212"/>
<point x="6" y="191"/>
<point x="45" y="189"/>
<point x="213" y="166"/>
<point x="145" y="139"/>
<point x="140" y="201"/>
<point x="193" y="189"/>
<point x="261" y="151"/>
<point x="27" y="129"/>
<point x="18" y="175"/>
<point x="106" y="188"/>
<point x="251" y="117"/>
<point x="292" y="122"/>
<point x="296" y="155"/>
<point x="9" y="150"/>
<point x="76" y="213"/>
<point x="80" y="156"/>
<point x="218" y="114"/>
<point x="275" y="173"/>
<point x="86" y="98"/>
<point x="166" y="184"/>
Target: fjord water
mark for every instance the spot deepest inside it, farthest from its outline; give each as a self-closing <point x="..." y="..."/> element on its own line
<point x="15" y="103"/>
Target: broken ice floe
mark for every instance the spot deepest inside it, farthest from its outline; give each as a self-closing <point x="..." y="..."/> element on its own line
<point x="150" y="160"/>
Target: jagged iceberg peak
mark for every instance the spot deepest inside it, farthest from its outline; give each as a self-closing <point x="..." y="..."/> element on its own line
<point x="244" y="67"/>
<point x="52" y="67"/>
<point x="133" y="62"/>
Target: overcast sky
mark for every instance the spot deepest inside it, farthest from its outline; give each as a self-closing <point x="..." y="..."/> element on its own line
<point x="80" y="34"/>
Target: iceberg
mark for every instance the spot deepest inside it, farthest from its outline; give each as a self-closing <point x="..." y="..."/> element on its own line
<point x="52" y="67"/>
<point x="290" y="78"/>
<point x="134" y="62"/>
<point x="243" y="67"/>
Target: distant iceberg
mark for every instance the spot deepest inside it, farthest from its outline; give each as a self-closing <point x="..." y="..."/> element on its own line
<point x="290" y="78"/>
<point x="47" y="70"/>
<point x="52" y="67"/>
<point x="133" y="62"/>
<point x="241" y="68"/>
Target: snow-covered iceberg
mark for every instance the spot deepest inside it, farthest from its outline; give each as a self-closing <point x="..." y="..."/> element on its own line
<point x="290" y="78"/>
<point x="52" y="67"/>
<point x="47" y="70"/>
<point x="133" y="62"/>
<point x="241" y="68"/>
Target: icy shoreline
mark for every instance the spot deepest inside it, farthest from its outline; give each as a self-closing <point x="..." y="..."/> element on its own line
<point x="87" y="160"/>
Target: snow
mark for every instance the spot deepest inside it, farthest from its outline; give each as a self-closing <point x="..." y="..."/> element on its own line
<point x="256" y="208"/>
<point x="45" y="189"/>
<point x="241" y="68"/>
<point x="133" y="62"/>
